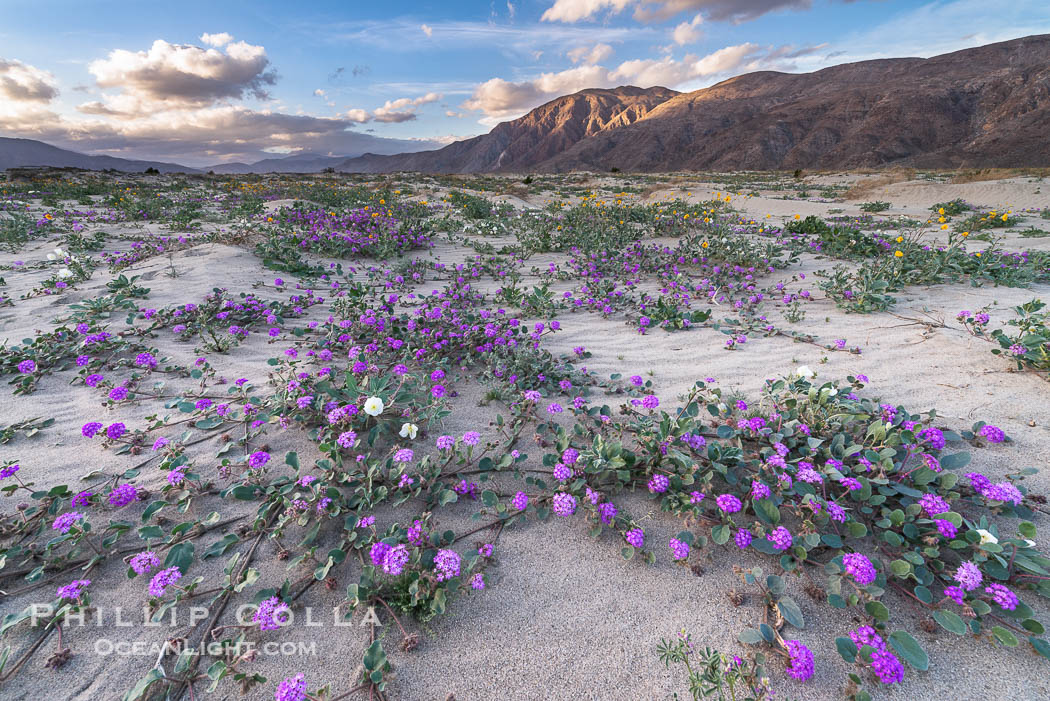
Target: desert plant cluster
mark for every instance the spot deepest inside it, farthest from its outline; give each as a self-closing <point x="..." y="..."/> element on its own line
<point x="250" y="397"/>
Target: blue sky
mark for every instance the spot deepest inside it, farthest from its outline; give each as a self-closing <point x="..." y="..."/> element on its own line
<point x="206" y="82"/>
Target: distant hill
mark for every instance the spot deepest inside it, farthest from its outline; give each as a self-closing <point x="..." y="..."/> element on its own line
<point x="524" y="143"/>
<point x="315" y="162"/>
<point x="16" y="153"/>
<point x="983" y="107"/>
<point x="297" y="163"/>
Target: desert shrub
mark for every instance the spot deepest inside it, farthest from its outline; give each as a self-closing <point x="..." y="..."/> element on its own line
<point x="951" y="208"/>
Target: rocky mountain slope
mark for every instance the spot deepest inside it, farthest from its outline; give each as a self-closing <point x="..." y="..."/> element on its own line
<point x="987" y="107"/>
<point x="524" y="143"/>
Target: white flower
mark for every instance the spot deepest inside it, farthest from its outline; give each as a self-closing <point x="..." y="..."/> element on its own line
<point x="804" y="372"/>
<point x="408" y="430"/>
<point x="50" y="256"/>
<point x="60" y="253"/>
<point x="986" y="537"/>
<point x="65" y="272"/>
<point x="374" y="406"/>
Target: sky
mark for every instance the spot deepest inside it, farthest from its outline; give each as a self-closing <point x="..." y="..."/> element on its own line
<point x="201" y="83"/>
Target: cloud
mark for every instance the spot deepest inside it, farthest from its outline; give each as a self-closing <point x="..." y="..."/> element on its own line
<point x="217" y="40"/>
<point x="393" y="111"/>
<point x="511" y="10"/>
<point x="208" y="136"/>
<point x="20" y="82"/>
<point x="736" y="11"/>
<point x="575" y="10"/>
<point x="590" y="55"/>
<point x="726" y="59"/>
<point x="404" y="109"/>
<point x="650" y="72"/>
<point x="688" y="32"/>
<point x="178" y="76"/>
<point x="427" y="29"/>
<point x="499" y="98"/>
<point x="320" y="93"/>
<point x="358" y="116"/>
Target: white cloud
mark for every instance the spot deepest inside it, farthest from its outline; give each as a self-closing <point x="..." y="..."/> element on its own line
<point x="394" y="111"/>
<point x="217" y="40"/>
<point x="650" y="72"/>
<point x="427" y="29"/>
<point x="589" y="55"/>
<point x="575" y="10"/>
<point x="358" y="116"/>
<point x="210" y="135"/>
<point x="177" y="76"/>
<point x="725" y="59"/>
<point x="499" y="98"/>
<point x="688" y="32"/>
<point x="20" y="82"/>
<point x="402" y="110"/>
<point x="320" y="93"/>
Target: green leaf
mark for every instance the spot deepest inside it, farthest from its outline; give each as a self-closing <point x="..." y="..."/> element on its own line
<point x="750" y="636"/>
<point x="909" y="648"/>
<point x="954" y="461"/>
<point x="142" y="686"/>
<point x="847" y="649"/>
<point x="900" y="568"/>
<point x="878" y="611"/>
<point x="152" y="509"/>
<point x="791" y="612"/>
<point x="147" y="532"/>
<point x="950" y="621"/>
<point x="1033" y="626"/>
<point x="374" y="657"/>
<point x="1004" y="636"/>
<point x="1041" y="646"/>
<point x="221" y="546"/>
<point x="180" y="556"/>
<point x="720" y="534"/>
<point x="775" y="584"/>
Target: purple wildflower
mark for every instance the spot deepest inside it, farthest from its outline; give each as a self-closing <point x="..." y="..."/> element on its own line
<point x="679" y="550"/>
<point x="164" y="579"/>
<point x="860" y="568"/>
<point x="564" y="504"/>
<point x="144" y="562"/>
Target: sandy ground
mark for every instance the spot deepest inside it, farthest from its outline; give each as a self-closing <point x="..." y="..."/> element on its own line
<point x="564" y="617"/>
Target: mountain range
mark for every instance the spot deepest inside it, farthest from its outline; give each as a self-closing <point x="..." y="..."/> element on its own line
<point x="983" y="107"/>
<point x="16" y="153"/>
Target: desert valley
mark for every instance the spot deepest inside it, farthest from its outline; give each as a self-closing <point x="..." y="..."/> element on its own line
<point x="735" y="392"/>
